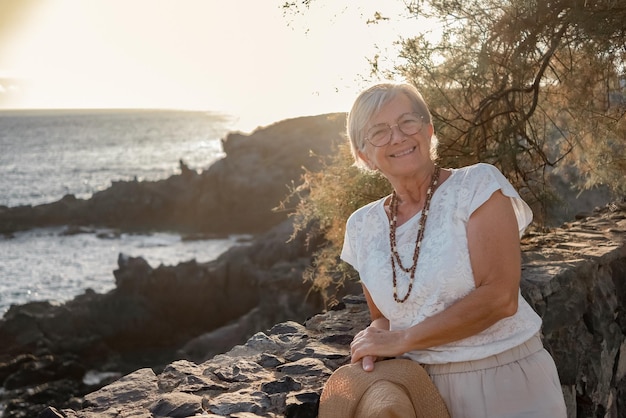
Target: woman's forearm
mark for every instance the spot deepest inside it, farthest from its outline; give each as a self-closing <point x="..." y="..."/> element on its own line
<point x="471" y="315"/>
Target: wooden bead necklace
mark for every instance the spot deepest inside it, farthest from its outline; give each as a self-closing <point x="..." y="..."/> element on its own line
<point x="395" y="257"/>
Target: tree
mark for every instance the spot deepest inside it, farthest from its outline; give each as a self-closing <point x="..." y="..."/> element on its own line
<point x="531" y="86"/>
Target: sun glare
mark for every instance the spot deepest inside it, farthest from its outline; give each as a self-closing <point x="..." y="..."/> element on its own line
<point x="243" y="57"/>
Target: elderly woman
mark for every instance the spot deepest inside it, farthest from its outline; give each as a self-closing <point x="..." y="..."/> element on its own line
<point x="439" y="261"/>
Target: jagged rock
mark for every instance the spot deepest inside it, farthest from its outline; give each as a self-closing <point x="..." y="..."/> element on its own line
<point x="222" y="339"/>
<point x="574" y="276"/>
<point x="154" y="316"/>
<point x="138" y="390"/>
<point x="235" y="194"/>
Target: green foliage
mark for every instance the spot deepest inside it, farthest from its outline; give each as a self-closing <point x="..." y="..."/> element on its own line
<point x="530" y="86"/>
<point x="326" y="198"/>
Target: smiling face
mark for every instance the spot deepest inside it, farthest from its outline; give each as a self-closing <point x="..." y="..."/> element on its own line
<point x="404" y="155"/>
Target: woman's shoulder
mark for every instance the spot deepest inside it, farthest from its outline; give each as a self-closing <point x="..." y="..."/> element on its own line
<point x="476" y="173"/>
<point x="477" y="169"/>
<point x="481" y="180"/>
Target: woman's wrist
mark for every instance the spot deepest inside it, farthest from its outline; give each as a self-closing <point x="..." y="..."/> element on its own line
<point x="408" y="340"/>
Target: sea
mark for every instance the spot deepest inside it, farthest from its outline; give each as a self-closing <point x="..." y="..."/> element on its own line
<point x="47" y="154"/>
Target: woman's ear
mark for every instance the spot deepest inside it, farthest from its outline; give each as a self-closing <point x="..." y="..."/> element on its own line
<point x="431" y="130"/>
<point x="367" y="161"/>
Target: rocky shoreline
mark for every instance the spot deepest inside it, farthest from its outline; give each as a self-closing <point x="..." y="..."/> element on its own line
<point x="236" y="194"/>
<point x="161" y="343"/>
<point x="191" y="311"/>
<point x="154" y="316"/>
<point x="575" y="277"/>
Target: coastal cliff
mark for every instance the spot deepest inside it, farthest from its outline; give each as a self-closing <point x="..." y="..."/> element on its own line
<point x="574" y="276"/>
<point x="236" y="194"/>
<point x="161" y="343"/>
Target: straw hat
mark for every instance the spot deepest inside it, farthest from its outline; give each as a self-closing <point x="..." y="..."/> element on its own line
<point x="395" y="388"/>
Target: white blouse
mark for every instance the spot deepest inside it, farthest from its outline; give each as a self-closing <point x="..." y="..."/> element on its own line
<point x="444" y="274"/>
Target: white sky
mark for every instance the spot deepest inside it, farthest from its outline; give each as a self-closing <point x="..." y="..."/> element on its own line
<point x="242" y="57"/>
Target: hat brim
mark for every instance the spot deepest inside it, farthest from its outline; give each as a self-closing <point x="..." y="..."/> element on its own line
<point x="344" y="389"/>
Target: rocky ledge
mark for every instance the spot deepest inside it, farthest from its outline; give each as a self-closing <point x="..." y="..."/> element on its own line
<point x="52" y="354"/>
<point x="574" y="276"/>
<point x="154" y="345"/>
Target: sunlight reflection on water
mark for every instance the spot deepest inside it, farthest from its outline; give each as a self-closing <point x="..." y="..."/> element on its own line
<point x="45" y="264"/>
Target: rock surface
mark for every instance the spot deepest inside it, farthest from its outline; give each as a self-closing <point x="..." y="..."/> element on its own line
<point x="575" y="277"/>
<point x="153" y="316"/>
<point x="234" y="195"/>
<point x="154" y="345"/>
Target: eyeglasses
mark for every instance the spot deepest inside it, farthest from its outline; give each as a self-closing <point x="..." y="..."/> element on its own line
<point x="379" y="135"/>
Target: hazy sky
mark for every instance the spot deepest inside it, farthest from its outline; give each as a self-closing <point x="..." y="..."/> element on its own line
<point x="243" y="57"/>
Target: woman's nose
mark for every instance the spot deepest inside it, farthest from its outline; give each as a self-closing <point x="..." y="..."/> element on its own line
<point x="396" y="133"/>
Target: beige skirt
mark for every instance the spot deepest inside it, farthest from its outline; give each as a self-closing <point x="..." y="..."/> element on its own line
<point x="521" y="382"/>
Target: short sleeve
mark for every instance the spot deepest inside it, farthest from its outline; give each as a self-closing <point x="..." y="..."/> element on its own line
<point x="487" y="179"/>
<point x="348" y="252"/>
<point x="363" y="230"/>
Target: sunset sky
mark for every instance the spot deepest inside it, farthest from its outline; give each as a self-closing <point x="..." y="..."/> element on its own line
<point x="242" y="57"/>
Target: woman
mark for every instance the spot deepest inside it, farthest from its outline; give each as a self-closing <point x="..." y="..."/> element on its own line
<point x="440" y="264"/>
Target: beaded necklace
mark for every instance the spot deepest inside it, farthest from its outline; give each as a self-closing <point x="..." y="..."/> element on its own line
<point x="395" y="257"/>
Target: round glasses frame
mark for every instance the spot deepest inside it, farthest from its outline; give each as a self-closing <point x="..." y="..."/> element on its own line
<point x="409" y="124"/>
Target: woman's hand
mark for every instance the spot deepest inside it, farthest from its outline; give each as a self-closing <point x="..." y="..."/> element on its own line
<point x="373" y="343"/>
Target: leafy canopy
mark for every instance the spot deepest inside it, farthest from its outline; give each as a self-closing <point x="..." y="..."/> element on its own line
<point x="531" y="86"/>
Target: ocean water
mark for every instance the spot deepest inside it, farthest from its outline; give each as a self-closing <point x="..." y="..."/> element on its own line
<point x="45" y="155"/>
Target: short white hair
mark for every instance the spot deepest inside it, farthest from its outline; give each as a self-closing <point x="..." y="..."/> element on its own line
<point x="371" y="101"/>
